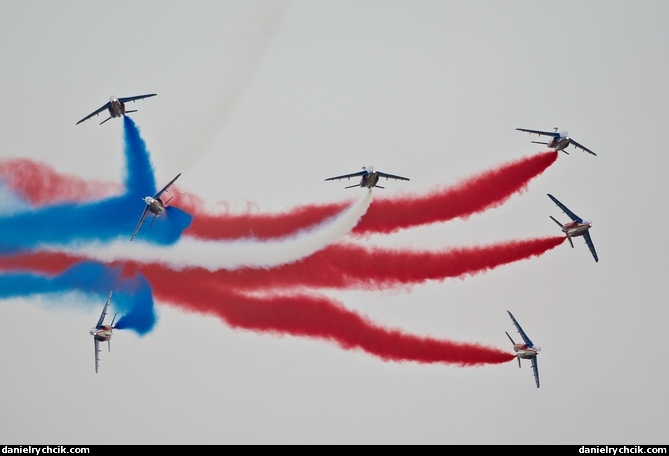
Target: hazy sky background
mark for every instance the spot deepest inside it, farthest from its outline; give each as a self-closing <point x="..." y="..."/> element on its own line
<point x="258" y="102"/>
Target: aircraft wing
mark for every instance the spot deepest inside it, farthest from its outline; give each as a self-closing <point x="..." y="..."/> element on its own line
<point x="137" y="97"/>
<point x="520" y="331"/>
<point x="104" y="312"/>
<point x="564" y="208"/>
<point x="95" y="113"/>
<point x="97" y="354"/>
<point x="346" y="176"/>
<point x="571" y="141"/>
<point x="537" y="132"/>
<point x="391" y="176"/>
<point x="535" y="368"/>
<point x="139" y="224"/>
<point x="591" y="246"/>
<point x="166" y="187"/>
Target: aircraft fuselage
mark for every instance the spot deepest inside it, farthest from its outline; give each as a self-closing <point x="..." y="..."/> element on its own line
<point x="525" y="352"/>
<point x="103" y="334"/>
<point x="559" y="143"/>
<point x="369" y="180"/>
<point x="573" y="229"/>
<point x="156" y="205"/>
<point x="116" y="107"/>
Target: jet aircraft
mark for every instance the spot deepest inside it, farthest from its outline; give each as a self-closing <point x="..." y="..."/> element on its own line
<point x="526" y="350"/>
<point x="116" y="107"/>
<point x="559" y="142"/>
<point x="577" y="227"/>
<point x="369" y="177"/>
<point x="155" y="205"/>
<point x="102" y="332"/>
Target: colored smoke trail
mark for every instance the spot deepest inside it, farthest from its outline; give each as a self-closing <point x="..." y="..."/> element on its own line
<point x="385" y="215"/>
<point x="348" y="266"/>
<point x="296" y="315"/>
<point x="207" y="225"/>
<point x="132" y="297"/>
<point x="213" y="255"/>
<point x="342" y="266"/>
<point x="194" y="273"/>
<point x="140" y="176"/>
<point x="473" y="195"/>
<point x="39" y="184"/>
<point x="320" y="318"/>
<point x="102" y="221"/>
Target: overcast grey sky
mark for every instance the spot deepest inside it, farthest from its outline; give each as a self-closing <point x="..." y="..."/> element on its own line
<point x="258" y="102"/>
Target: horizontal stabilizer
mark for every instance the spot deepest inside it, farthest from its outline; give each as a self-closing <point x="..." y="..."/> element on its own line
<point x="128" y="112"/>
<point x="105" y="120"/>
<point x="378" y="186"/>
<point x="507" y="335"/>
<point x="351" y="186"/>
<point x="539" y="142"/>
<point x="559" y="224"/>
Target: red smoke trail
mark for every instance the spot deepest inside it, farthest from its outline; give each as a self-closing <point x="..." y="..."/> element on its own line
<point x="349" y="266"/>
<point x="320" y="318"/>
<point x="338" y="266"/>
<point x="41" y="185"/>
<point x="296" y="315"/>
<point x="487" y="190"/>
<point x="259" y="226"/>
<point x="473" y="195"/>
<point x="42" y="262"/>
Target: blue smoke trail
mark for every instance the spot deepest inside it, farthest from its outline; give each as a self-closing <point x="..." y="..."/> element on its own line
<point x="132" y="295"/>
<point x="104" y="220"/>
<point x="140" y="178"/>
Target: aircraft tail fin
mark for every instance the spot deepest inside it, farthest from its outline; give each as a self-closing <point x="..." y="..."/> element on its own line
<point x="169" y="200"/>
<point x="105" y="120"/>
<point x="570" y="241"/>
<point x="109" y="345"/>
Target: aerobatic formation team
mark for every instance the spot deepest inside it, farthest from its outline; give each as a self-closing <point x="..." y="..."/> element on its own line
<point x="216" y="263"/>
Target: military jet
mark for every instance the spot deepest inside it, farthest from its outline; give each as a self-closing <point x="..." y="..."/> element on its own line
<point x="102" y="332"/>
<point x="559" y="142"/>
<point x="116" y="107"/>
<point x="155" y="205"/>
<point x="368" y="177"/>
<point x="526" y="350"/>
<point x="577" y="227"/>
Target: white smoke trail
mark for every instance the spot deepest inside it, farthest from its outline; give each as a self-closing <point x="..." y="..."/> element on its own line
<point x="213" y="255"/>
<point x="218" y="95"/>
